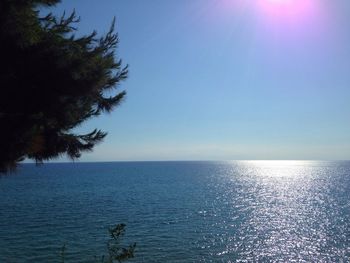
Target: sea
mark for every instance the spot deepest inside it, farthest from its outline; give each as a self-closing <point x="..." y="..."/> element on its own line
<point x="229" y="211"/>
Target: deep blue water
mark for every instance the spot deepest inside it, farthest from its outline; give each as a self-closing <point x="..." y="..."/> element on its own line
<point x="251" y="211"/>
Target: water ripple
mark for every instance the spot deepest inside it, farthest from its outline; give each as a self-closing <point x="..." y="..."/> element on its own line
<point x="251" y="211"/>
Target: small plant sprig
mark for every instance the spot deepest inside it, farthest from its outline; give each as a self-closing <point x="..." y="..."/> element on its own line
<point x="116" y="253"/>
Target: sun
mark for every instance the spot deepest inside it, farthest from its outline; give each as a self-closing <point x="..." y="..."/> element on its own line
<point x="287" y="11"/>
<point x="280" y="19"/>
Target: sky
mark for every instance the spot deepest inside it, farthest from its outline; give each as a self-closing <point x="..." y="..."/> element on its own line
<point x="225" y="79"/>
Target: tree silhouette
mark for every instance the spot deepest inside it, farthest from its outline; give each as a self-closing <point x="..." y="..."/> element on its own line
<point x="51" y="81"/>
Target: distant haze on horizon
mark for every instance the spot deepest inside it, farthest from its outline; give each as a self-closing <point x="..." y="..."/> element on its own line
<point x="226" y="79"/>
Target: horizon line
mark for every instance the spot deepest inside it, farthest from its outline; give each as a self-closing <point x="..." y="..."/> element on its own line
<point x="159" y="161"/>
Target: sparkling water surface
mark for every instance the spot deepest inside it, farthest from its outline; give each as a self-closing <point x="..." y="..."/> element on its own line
<point x="239" y="211"/>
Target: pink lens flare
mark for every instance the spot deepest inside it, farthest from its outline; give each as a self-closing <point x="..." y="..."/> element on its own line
<point x="291" y="12"/>
<point x="296" y="13"/>
<point x="282" y="20"/>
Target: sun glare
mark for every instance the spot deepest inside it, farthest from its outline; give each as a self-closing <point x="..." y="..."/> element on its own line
<point x="280" y="13"/>
<point x="287" y="11"/>
<point x="278" y="1"/>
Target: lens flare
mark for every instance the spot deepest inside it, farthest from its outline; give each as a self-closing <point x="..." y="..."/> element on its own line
<point x="291" y="12"/>
<point x="278" y="23"/>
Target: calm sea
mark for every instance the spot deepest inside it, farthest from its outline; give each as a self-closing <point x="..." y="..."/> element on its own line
<point x="242" y="211"/>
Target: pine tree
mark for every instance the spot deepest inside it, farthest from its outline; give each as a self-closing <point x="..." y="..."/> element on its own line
<point x="51" y="82"/>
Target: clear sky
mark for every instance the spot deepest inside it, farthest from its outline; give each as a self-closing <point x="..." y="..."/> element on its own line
<point x="226" y="79"/>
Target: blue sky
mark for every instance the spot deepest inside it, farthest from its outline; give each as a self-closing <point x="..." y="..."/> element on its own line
<point x="223" y="79"/>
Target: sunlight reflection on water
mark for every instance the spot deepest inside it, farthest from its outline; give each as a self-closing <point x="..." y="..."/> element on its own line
<point x="292" y="213"/>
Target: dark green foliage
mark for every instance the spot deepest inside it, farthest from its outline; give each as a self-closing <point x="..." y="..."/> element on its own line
<point x="116" y="253"/>
<point x="50" y="82"/>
